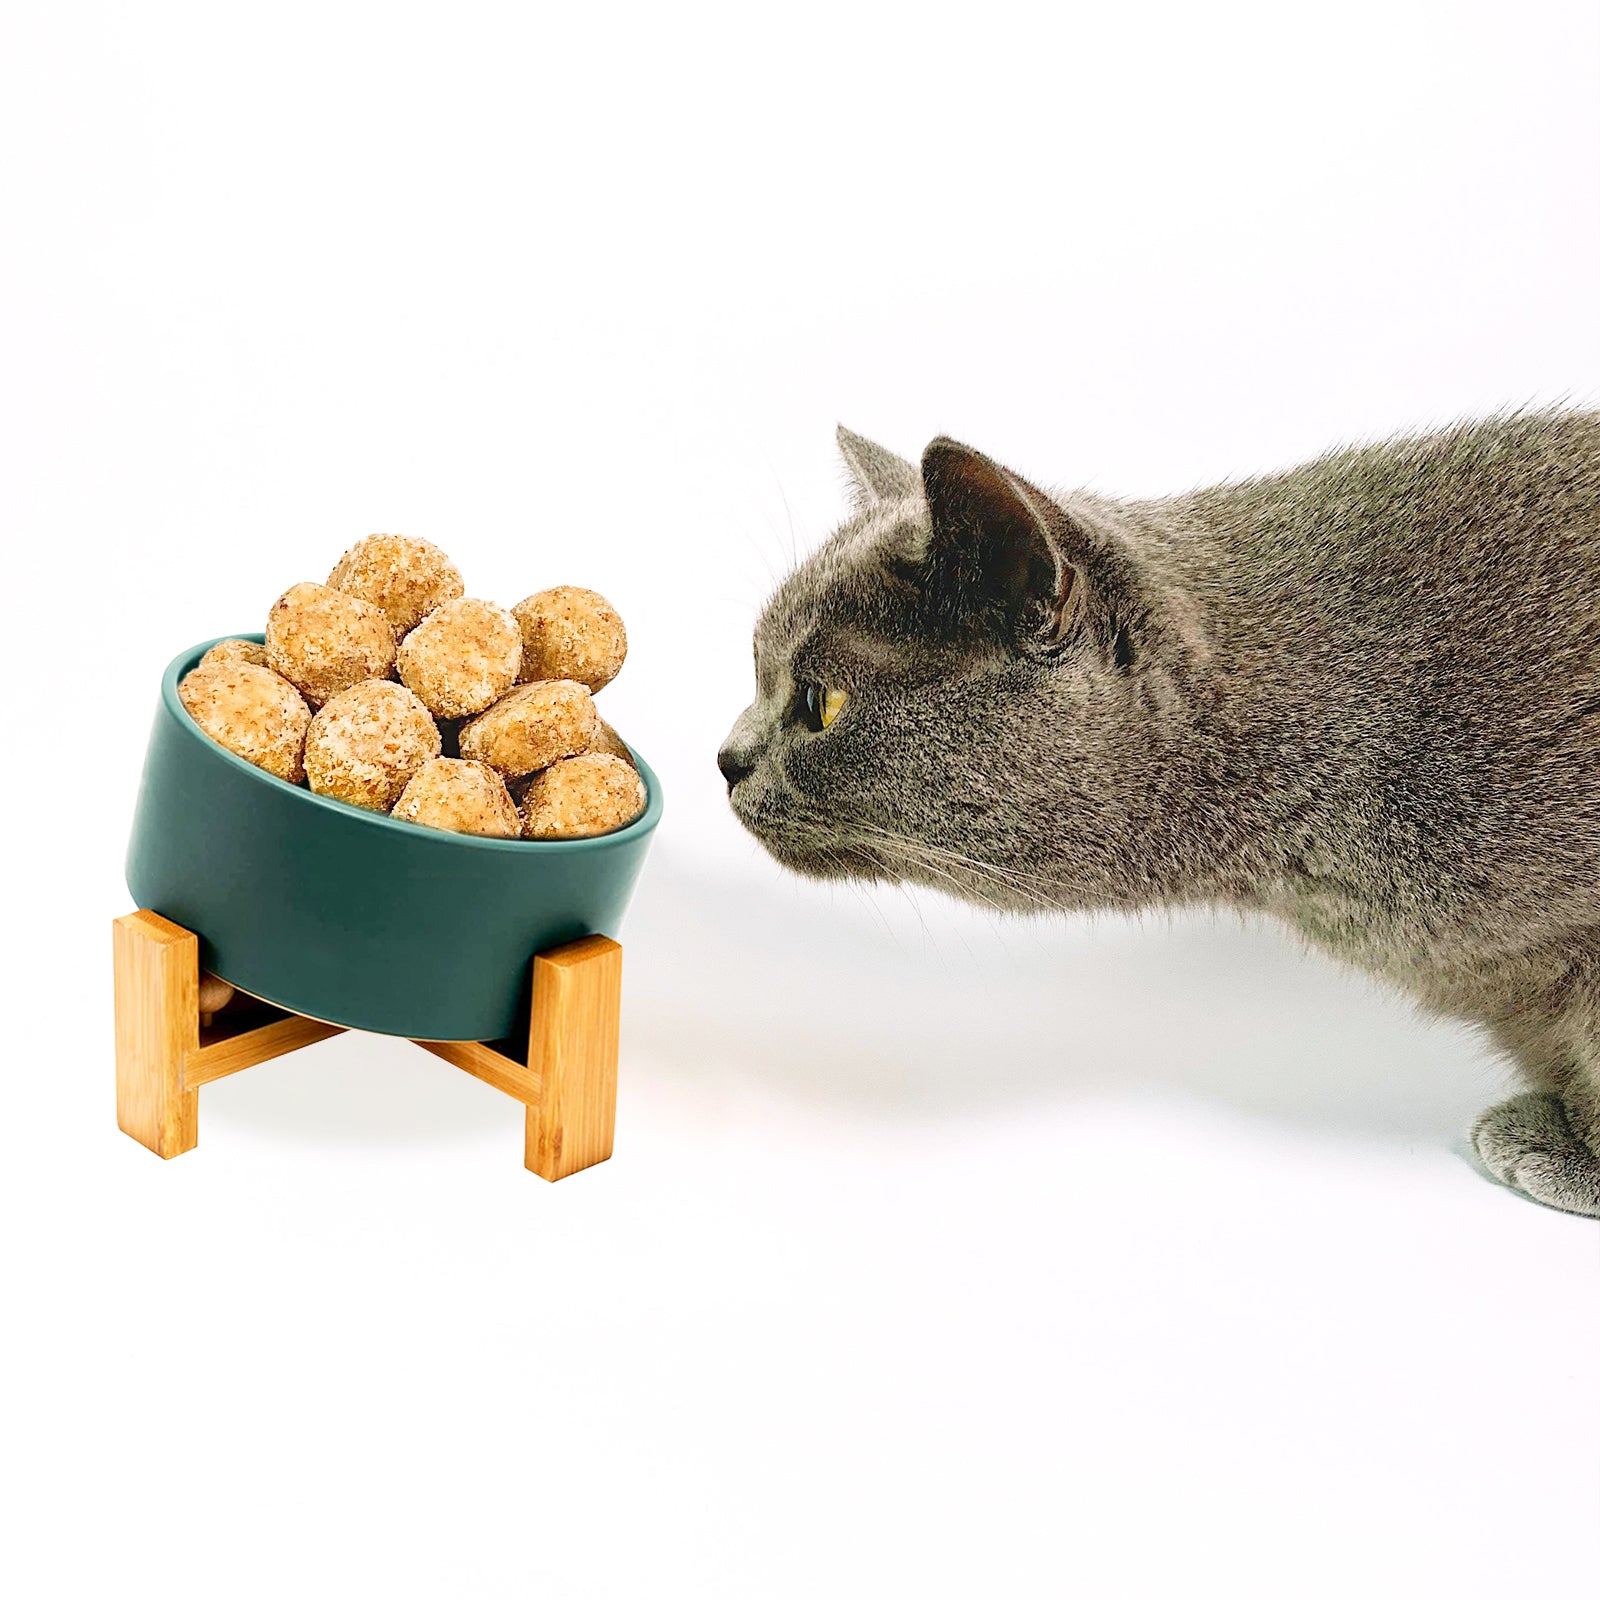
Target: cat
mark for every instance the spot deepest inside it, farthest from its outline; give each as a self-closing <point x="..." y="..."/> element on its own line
<point x="1362" y="695"/>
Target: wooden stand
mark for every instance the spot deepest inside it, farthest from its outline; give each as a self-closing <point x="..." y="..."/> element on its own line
<point x="567" y="1083"/>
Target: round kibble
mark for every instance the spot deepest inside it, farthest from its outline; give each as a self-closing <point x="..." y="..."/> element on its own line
<point x="244" y="650"/>
<point x="580" y="797"/>
<point x="462" y="657"/>
<point x="571" y="633"/>
<point x="252" y="712"/>
<point x="608" y="742"/>
<point x="531" y="726"/>
<point x="405" y="578"/>
<point x="323" y="640"/>
<point x="461" y="797"/>
<point x="366" y="743"/>
<point x="215" y="994"/>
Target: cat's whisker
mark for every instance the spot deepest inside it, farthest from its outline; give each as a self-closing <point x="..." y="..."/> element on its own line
<point x="966" y="879"/>
<point x="918" y="856"/>
<point x="1012" y="879"/>
<point x="794" y="544"/>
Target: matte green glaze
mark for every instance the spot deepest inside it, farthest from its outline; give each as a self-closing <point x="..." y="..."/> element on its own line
<point x="348" y="915"/>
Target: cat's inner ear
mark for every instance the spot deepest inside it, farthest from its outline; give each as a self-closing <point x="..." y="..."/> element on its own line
<point x="989" y="549"/>
<point x="876" y="475"/>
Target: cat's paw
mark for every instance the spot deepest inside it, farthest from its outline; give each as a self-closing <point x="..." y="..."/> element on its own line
<point x="1529" y="1145"/>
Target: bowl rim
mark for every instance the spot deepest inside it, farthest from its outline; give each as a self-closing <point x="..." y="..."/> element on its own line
<point x="186" y="660"/>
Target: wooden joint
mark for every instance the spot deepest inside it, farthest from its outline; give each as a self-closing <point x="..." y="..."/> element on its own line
<point x="223" y="1051"/>
<point x="568" y="1084"/>
<point x="488" y="1065"/>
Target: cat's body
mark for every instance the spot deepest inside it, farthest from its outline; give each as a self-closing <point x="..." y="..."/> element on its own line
<point x="1362" y="695"/>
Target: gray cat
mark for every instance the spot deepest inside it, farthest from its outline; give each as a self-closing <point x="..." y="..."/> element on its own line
<point x="1363" y="695"/>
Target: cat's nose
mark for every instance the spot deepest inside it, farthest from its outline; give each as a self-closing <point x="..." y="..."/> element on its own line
<point x="733" y="766"/>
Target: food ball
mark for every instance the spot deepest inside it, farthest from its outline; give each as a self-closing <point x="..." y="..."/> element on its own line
<point x="252" y="712"/>
<point x="323" y="640"/>
<point x="571" y="633"/>
<point x="405" y="578"/>
<point x="235" y="650"/>
<point x="215" y="995"/>
<point x="461" y="796"/>
<point x="461" y="658"/>
<point x="580" y="797"/>
<point x="533" y="725"/>
<point x="608" y="742"/>
<point x="365" y="744"/>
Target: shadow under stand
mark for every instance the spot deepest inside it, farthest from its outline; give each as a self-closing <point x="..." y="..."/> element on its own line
<point x="566" y="1080"/>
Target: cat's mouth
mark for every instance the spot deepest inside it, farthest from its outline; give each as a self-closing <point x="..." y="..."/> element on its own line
<point x="820" y="846"/>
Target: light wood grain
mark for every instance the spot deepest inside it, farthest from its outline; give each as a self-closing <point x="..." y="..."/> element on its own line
<point x="489" y="1065"/>
<point x="208" y="1062"/>
<point x="156" y="978"/>
<point x="573" y="1039"/>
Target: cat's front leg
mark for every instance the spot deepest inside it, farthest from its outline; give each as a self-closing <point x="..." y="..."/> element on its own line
<point x="1532" y="1144"/>
<point x="1546" y="1144"/>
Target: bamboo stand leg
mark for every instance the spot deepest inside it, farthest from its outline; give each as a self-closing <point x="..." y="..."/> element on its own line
<point x="572" y="1045"/>
<point x="157" y="980"/>
<point x="162" y="1055"/>
<point x="568" y="1084"/>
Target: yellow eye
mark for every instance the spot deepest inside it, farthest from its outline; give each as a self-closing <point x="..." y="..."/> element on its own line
<point x="822" y="706"/>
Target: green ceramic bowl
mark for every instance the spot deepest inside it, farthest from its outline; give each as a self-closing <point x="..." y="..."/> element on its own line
<point x="347" y="915"/>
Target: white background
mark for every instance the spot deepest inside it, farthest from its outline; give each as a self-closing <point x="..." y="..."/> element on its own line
<point x="937" y="1256"/>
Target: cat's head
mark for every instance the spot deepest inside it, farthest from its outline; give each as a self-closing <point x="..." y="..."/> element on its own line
<point x="951" y="690"/>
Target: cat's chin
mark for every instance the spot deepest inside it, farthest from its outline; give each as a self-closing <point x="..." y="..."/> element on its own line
<point x="794" y="847"/>
<point x="833" y="862"/>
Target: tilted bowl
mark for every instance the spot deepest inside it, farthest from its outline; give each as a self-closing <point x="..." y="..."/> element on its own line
<point x="347" y="915"/>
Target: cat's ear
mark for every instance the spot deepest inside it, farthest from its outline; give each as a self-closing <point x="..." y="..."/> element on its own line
<point x="1003" y="556"/>
<point x="876" y="474"/>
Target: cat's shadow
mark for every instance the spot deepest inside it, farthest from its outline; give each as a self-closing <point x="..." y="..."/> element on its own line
<point x="886" y="1005"/>
<point x="869" y="1004"/>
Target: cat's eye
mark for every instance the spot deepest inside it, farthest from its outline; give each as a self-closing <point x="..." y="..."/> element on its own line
<point x="822" y="706"/>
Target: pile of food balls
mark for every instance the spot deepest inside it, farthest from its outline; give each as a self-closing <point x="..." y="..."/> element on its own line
<point x="386" y="688"/>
